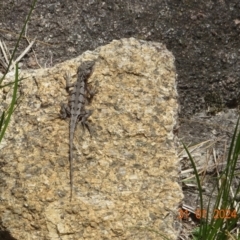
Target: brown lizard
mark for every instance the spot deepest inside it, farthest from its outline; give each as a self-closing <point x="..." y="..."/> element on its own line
<point x="80" y="96"/>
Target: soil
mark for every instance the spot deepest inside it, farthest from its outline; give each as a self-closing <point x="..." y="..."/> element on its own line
<point x="204" y="37"/>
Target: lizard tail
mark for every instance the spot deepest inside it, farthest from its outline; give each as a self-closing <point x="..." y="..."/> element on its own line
<point x="71" y="170"/>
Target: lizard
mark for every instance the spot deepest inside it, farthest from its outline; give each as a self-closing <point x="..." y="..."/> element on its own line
<point x="75" y="109"/>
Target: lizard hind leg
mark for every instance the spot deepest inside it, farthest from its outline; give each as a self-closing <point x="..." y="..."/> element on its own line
<point x="87" y="126"/>
<point x="65" y="111"/>
<point x="84" y="122"/>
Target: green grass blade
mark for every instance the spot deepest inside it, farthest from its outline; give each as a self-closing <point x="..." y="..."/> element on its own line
<point x="201" y="230"/>
<point x="5" y="117"/>
<point x="1" y="121"/>
<point x="11" y="108"/>
<point x="231" y="149"/>
<point x="220" y="226"/>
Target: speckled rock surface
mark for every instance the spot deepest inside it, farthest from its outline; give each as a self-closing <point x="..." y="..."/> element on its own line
<point x="125" y="176"/>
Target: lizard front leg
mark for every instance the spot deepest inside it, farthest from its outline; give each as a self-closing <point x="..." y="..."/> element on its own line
<point x="69" y="85"/>
<point x="65" y="110"/>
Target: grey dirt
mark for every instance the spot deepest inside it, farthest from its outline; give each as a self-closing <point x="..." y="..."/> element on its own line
<point x="80" y="96"/>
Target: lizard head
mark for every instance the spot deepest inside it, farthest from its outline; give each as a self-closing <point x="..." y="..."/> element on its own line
<point x="86" y="68"/>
